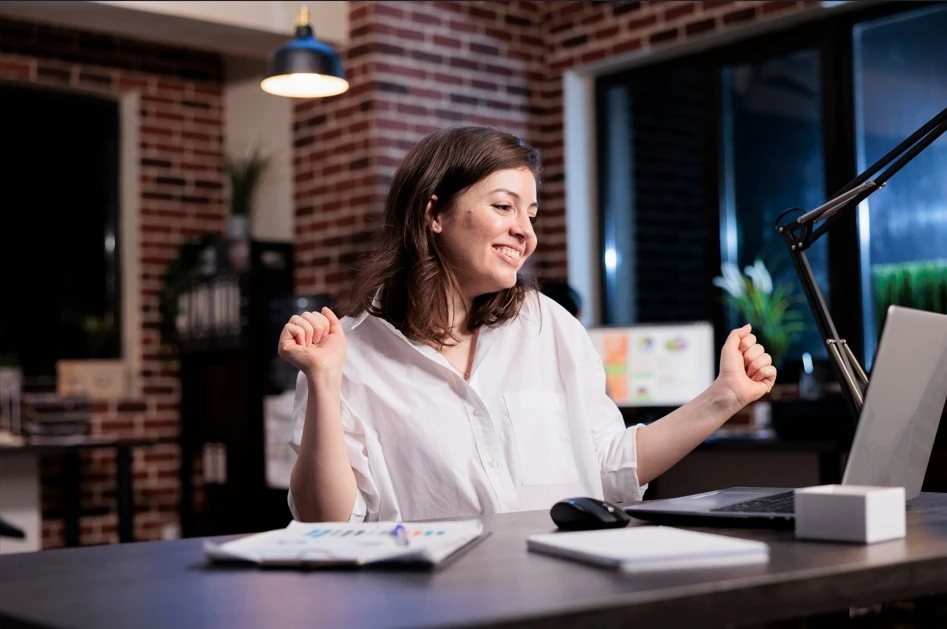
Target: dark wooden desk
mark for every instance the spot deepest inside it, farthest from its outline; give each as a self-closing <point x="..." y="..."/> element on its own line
<point x="496" y="584"/>
<point x="68" y="449"/>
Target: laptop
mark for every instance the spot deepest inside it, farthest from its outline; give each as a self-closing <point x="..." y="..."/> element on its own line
<point x="892" y="444"/>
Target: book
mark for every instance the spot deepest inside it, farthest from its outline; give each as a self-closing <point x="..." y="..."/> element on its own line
<point x="650" y="548"/>
<point x="343" y="544"/>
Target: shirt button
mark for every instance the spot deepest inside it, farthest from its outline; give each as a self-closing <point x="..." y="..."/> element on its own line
<point x="477" y="413"/>
<point x="494" y="463"/>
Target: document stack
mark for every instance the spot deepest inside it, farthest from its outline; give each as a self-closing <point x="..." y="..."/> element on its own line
<point x="51" y="415"/>
<point x="345" y="544"/>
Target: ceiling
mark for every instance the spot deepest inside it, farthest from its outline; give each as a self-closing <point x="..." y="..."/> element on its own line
<point x="242" y="29"/>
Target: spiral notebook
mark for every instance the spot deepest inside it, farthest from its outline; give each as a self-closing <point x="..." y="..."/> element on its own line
<point x="650" y="548"/>
<point x="343" y="544"/>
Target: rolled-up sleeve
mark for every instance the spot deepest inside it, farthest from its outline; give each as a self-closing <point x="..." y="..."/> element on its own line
<point x="615" y="445"/>
<point x="355" y="447"/>
<point x="618" y="456"/>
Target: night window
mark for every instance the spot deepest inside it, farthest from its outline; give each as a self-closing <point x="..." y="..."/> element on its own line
<point x="58" y="228"/>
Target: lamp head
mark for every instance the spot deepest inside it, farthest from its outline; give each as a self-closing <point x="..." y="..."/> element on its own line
<point x="305" y="67"/>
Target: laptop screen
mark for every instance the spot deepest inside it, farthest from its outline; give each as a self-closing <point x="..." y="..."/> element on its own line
<point x="904" y="403"/>
<point x="656" y="365"/>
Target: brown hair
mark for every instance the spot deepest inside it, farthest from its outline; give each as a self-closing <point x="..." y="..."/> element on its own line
<point x="406" y="266"/>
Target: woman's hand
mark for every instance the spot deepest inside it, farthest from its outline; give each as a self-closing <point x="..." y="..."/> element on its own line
<point x="314" y="343"/>
<point x="746" y="370"/>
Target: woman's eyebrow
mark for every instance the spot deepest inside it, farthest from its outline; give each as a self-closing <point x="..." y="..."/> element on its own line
<point x="512" y="194"/>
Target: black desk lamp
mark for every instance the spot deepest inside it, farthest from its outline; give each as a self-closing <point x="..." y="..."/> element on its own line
<point x="799" y="235"/>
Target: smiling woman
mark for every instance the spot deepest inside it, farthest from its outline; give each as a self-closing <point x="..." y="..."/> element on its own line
<point x="488" y="234"/>
<point x="449" y="189"/>
<point x="454" y="388"/>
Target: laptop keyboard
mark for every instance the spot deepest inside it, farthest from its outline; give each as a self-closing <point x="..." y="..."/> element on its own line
<point x="777" y="503"/>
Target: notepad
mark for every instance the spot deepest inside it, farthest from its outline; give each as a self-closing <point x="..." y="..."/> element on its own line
<point x="650" y="548"/>
<point x="342" y="544"/>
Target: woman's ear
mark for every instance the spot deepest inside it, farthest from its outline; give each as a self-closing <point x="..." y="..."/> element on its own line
<point x="431" y="214"/>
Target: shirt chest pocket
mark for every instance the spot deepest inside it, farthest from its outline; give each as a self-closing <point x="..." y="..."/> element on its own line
<point x="541" y="429"/>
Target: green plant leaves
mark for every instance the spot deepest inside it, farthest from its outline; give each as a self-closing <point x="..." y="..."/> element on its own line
<point x="181" y="274"/>
<point x="245" y="174"/>
<point x="919" y="285"/>
<point x="772" y="314"/>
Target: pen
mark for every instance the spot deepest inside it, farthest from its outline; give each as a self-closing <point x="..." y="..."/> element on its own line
<point x="400" y="535"/>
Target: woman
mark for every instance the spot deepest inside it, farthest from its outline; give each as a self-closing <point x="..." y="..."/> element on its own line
<point x="455" y="388"/>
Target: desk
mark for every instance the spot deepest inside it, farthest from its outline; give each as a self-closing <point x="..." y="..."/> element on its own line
<point x="68" y="449"/>
<point x="496" y="584"/>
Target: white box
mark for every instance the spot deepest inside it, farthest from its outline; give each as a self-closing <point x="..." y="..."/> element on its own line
<point x="850" y="513"/>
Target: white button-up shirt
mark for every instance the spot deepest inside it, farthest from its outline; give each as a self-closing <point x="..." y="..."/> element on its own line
<point x="533" y="426"/>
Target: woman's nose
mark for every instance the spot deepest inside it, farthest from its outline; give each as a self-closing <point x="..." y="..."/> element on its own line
<point x="522" y="226"/>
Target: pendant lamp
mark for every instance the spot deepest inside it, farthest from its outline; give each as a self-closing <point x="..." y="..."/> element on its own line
<point x="304" y="67"/>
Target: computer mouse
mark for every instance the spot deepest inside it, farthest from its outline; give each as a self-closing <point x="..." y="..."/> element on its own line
<point x="579" y="514"/>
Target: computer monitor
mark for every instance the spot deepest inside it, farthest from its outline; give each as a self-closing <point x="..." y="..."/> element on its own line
<point x="659" y="365"/>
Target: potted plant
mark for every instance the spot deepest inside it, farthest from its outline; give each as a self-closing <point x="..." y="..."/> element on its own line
<point x="769" y="309"/>
<point x="181" y="275"/>
<point x="244" y="174"/>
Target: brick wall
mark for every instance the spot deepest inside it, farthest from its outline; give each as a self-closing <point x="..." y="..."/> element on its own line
<point x="416" y="67"/>
<point x="669" y="230"/>
<point x="181" y="188"/>
<point x="577" y="33"/>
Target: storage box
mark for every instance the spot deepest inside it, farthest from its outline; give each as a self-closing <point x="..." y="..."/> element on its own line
<point x="850" y="513"/>
<point x="97" y="379"/>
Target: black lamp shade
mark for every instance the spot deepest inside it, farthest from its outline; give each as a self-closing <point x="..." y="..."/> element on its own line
<point x="305" y="68"/>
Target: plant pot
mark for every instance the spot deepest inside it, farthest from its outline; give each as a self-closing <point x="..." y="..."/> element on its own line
<point x="238" y="227"/>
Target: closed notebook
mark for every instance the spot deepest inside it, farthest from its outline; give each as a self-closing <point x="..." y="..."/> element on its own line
<point x="341" y="544"/>
<point x="650" y="548"/>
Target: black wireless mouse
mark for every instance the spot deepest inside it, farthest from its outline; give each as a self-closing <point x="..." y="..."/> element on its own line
<point x="579" y="514"/>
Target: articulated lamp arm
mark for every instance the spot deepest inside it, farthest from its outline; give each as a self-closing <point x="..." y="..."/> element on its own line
<point x="801" y="233"/>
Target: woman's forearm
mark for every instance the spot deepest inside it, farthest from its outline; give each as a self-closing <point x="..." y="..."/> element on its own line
<point x="322" y="483"/>
<point x="663" y="443"/>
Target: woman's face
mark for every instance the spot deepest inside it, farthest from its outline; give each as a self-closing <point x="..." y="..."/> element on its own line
<point x="488" y="234"/>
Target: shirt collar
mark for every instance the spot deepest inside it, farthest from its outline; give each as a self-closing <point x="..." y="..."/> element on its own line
<point x="358" y="319"/>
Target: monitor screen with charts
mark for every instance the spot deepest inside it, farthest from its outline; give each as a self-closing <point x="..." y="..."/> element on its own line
<point x="656" y="365"/>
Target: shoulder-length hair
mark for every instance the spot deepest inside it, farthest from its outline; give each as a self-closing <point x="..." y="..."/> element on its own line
<point x="405" y="279"/>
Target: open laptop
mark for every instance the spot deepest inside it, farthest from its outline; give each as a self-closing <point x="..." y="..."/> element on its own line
<point x="892" y="444"/>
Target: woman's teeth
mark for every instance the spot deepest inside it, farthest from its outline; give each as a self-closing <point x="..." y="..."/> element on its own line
<point x="509" y="253"/>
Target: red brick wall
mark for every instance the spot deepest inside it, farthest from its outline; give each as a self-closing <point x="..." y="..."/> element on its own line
<point x="417" y="67"/>
<point x="582" y="32"/>
<point x="181" y="195"/>
<point x="414" y="68"/>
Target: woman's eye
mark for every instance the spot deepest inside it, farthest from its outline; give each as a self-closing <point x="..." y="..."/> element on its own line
<point x="504" y="207"/>
<point x="533" y="218"/>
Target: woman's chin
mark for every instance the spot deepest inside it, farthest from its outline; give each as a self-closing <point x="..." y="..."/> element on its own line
<point x="508" y="282"/>
<point x="497" y="286"/>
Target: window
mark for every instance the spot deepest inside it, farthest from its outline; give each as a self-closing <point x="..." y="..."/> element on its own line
<point x="744" y="132"/>
<point x="771" y="141"/>
<point x="654" y="224"/>
<point x="58" y="219"/>
<point x="899" y="68"/>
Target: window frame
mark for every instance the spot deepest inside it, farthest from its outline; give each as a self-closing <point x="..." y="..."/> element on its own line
<point x="831" y="35"/>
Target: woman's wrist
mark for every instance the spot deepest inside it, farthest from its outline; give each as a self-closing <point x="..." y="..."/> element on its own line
<point x="324" y="380"/>
<point x="724" y="398"/>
